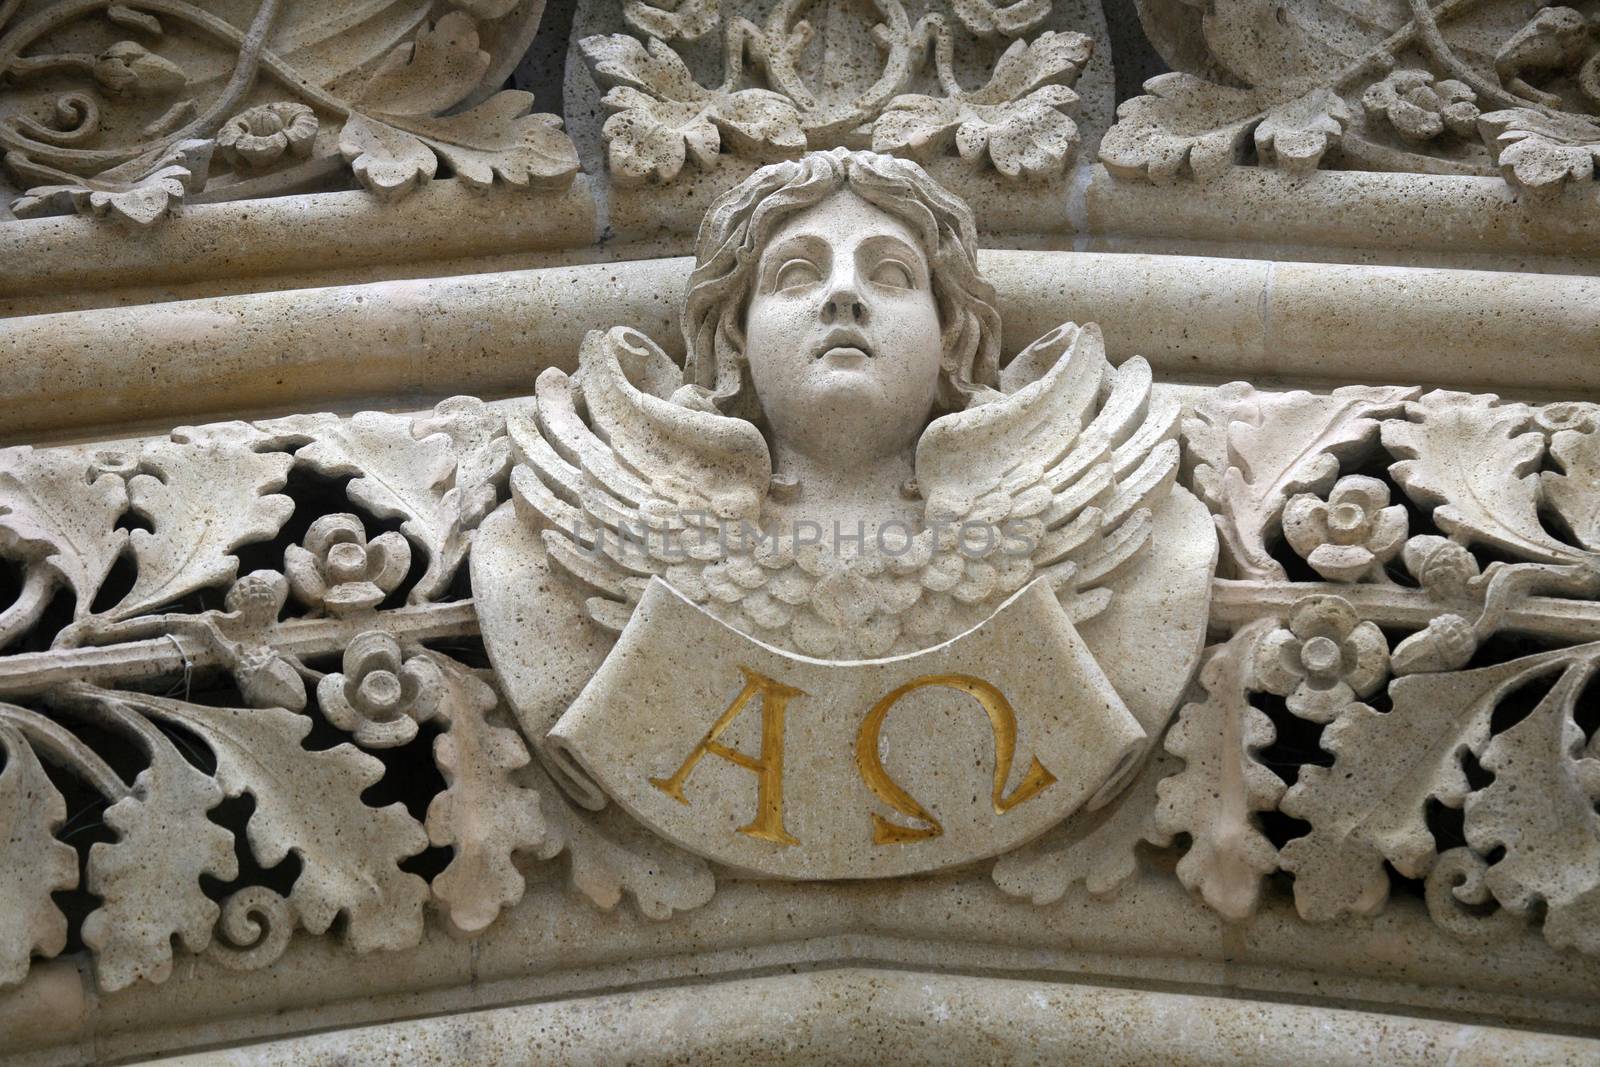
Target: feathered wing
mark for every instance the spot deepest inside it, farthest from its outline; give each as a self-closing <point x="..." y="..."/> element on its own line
<point x="624" y="484"/>
<point x="1062" y="472"/>
<point x="1065" y="468"/>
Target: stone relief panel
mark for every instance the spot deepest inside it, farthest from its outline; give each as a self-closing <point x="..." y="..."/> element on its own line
<point x="127" y="108"/>
<point x="1465" y="87"/>
<point x="998" y="100"/>
<point x="840" y="598"/>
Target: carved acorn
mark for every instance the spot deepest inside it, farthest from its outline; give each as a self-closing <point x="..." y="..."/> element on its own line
<point x="340" y="571"/>
<point x="1443" y="567"/>
<point x="265" y="678"/>
<point x="1446" y="645"/>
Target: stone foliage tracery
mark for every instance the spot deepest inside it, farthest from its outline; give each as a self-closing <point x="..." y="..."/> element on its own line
<point x="128" y="108"/>
<point x="776" y="98"/>
<point x="1464" y="87"/>
<point x="1398" y="650"/>
<point x="350" y="662"/>
<point x="1432" y="759"/>
<point x="249" y="691"/>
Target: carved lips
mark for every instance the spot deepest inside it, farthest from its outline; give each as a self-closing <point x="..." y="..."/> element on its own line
<point x="845" y="347"/>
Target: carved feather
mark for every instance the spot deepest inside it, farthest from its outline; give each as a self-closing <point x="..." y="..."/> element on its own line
<point x="610" y="470"/>
<point x="1104" y="470"/>
<point x="1067" y="465"/>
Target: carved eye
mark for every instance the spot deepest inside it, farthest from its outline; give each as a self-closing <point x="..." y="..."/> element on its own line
<point x="795" y="273"/>
<point x="893" y="273"/>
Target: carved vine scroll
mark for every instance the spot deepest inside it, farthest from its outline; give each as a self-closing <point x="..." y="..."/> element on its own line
<point x="1465" y="87"/>
<point x="125" y="109"/>
<point x="362" y="643"/>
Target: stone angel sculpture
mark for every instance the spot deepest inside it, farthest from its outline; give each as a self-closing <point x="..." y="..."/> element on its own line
<point x="843" y="469"/>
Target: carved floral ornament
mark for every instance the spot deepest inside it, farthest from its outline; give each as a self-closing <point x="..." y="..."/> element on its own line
<point x="126" y="108"/>
<point x="1467" y="87"/>
<point x="776" y="99"/>
<point x="686" y="676"/>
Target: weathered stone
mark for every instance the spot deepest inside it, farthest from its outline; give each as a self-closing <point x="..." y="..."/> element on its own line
<point x="825" y="598"/>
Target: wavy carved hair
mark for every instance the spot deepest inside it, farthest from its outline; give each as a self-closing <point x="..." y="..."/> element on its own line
<point x="743" y="219"/>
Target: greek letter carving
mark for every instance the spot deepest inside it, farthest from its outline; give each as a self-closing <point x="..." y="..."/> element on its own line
<point x="1002" y="720"/>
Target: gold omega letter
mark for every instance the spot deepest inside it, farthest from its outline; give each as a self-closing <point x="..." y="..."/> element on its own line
<point x="1002" y="721"/>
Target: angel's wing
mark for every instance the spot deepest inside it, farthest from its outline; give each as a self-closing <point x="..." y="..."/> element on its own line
<point x="624" y="484"/>
<point x="1068" y="466"/>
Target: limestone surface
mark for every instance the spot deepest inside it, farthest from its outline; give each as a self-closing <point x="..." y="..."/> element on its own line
<point x="834" y="512"/>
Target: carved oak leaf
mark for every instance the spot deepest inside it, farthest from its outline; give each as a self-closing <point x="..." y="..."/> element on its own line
<point x="1191" y="128"/>
<point x="1541" y="809"/>
<point x="500" y="138"/>
<point x="1541" y="152"/>
<point x="685" y="20"/>
<point x="1575" y="492"/>
<point x="1476" y="460"/>
<point x="622" y="858"/>
<point x="389" y="162"/>
<point x="1050" y="59"/>
<point x="140" y="201"/>
<point x="661" y="115"/>
<point x="759" y="124"/>
<point x="1212" y="799"/>
<point x="309" y="803"/>
<point x="1295" y="135"/>
<point x="149" y="878"/>
<point x="482" y="813"/>
<point x="432" y="73"/>
<point x="1100" y="853"/>
<point x="1186" y="127"/>
<point x="33" y="864"/>
<point x="477" y="433"/>
<point x="917" y="126"/>
<point x="1254" y="450"/>
<point x="1027" y="138"/>
<point x="206" y="491"/>
<point x="1014" y="118"/>
<point x="650" y="138"/>
<point x="59" y="517"/>
<point x="1371" y="804"/>
<point x="396" y="477"/>
<point x="985" y="19"/>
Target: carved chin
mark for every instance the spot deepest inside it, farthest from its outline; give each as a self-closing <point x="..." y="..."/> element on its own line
<point x="859" y="398"/>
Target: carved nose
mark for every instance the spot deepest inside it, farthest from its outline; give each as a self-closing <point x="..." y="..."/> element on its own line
<point x="844" y="306"/>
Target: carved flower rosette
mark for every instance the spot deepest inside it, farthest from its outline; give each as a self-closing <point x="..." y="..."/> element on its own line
<point x="1390" y="673"/>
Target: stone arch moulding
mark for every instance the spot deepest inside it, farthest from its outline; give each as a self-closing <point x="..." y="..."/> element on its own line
<point x="849" y="537"/>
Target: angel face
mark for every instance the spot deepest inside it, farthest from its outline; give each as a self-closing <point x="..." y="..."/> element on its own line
<point x="842" y="332"/>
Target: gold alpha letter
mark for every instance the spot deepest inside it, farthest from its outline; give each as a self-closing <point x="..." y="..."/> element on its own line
<point x="768" y="823"/>
<point x="1002" y="721"/>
